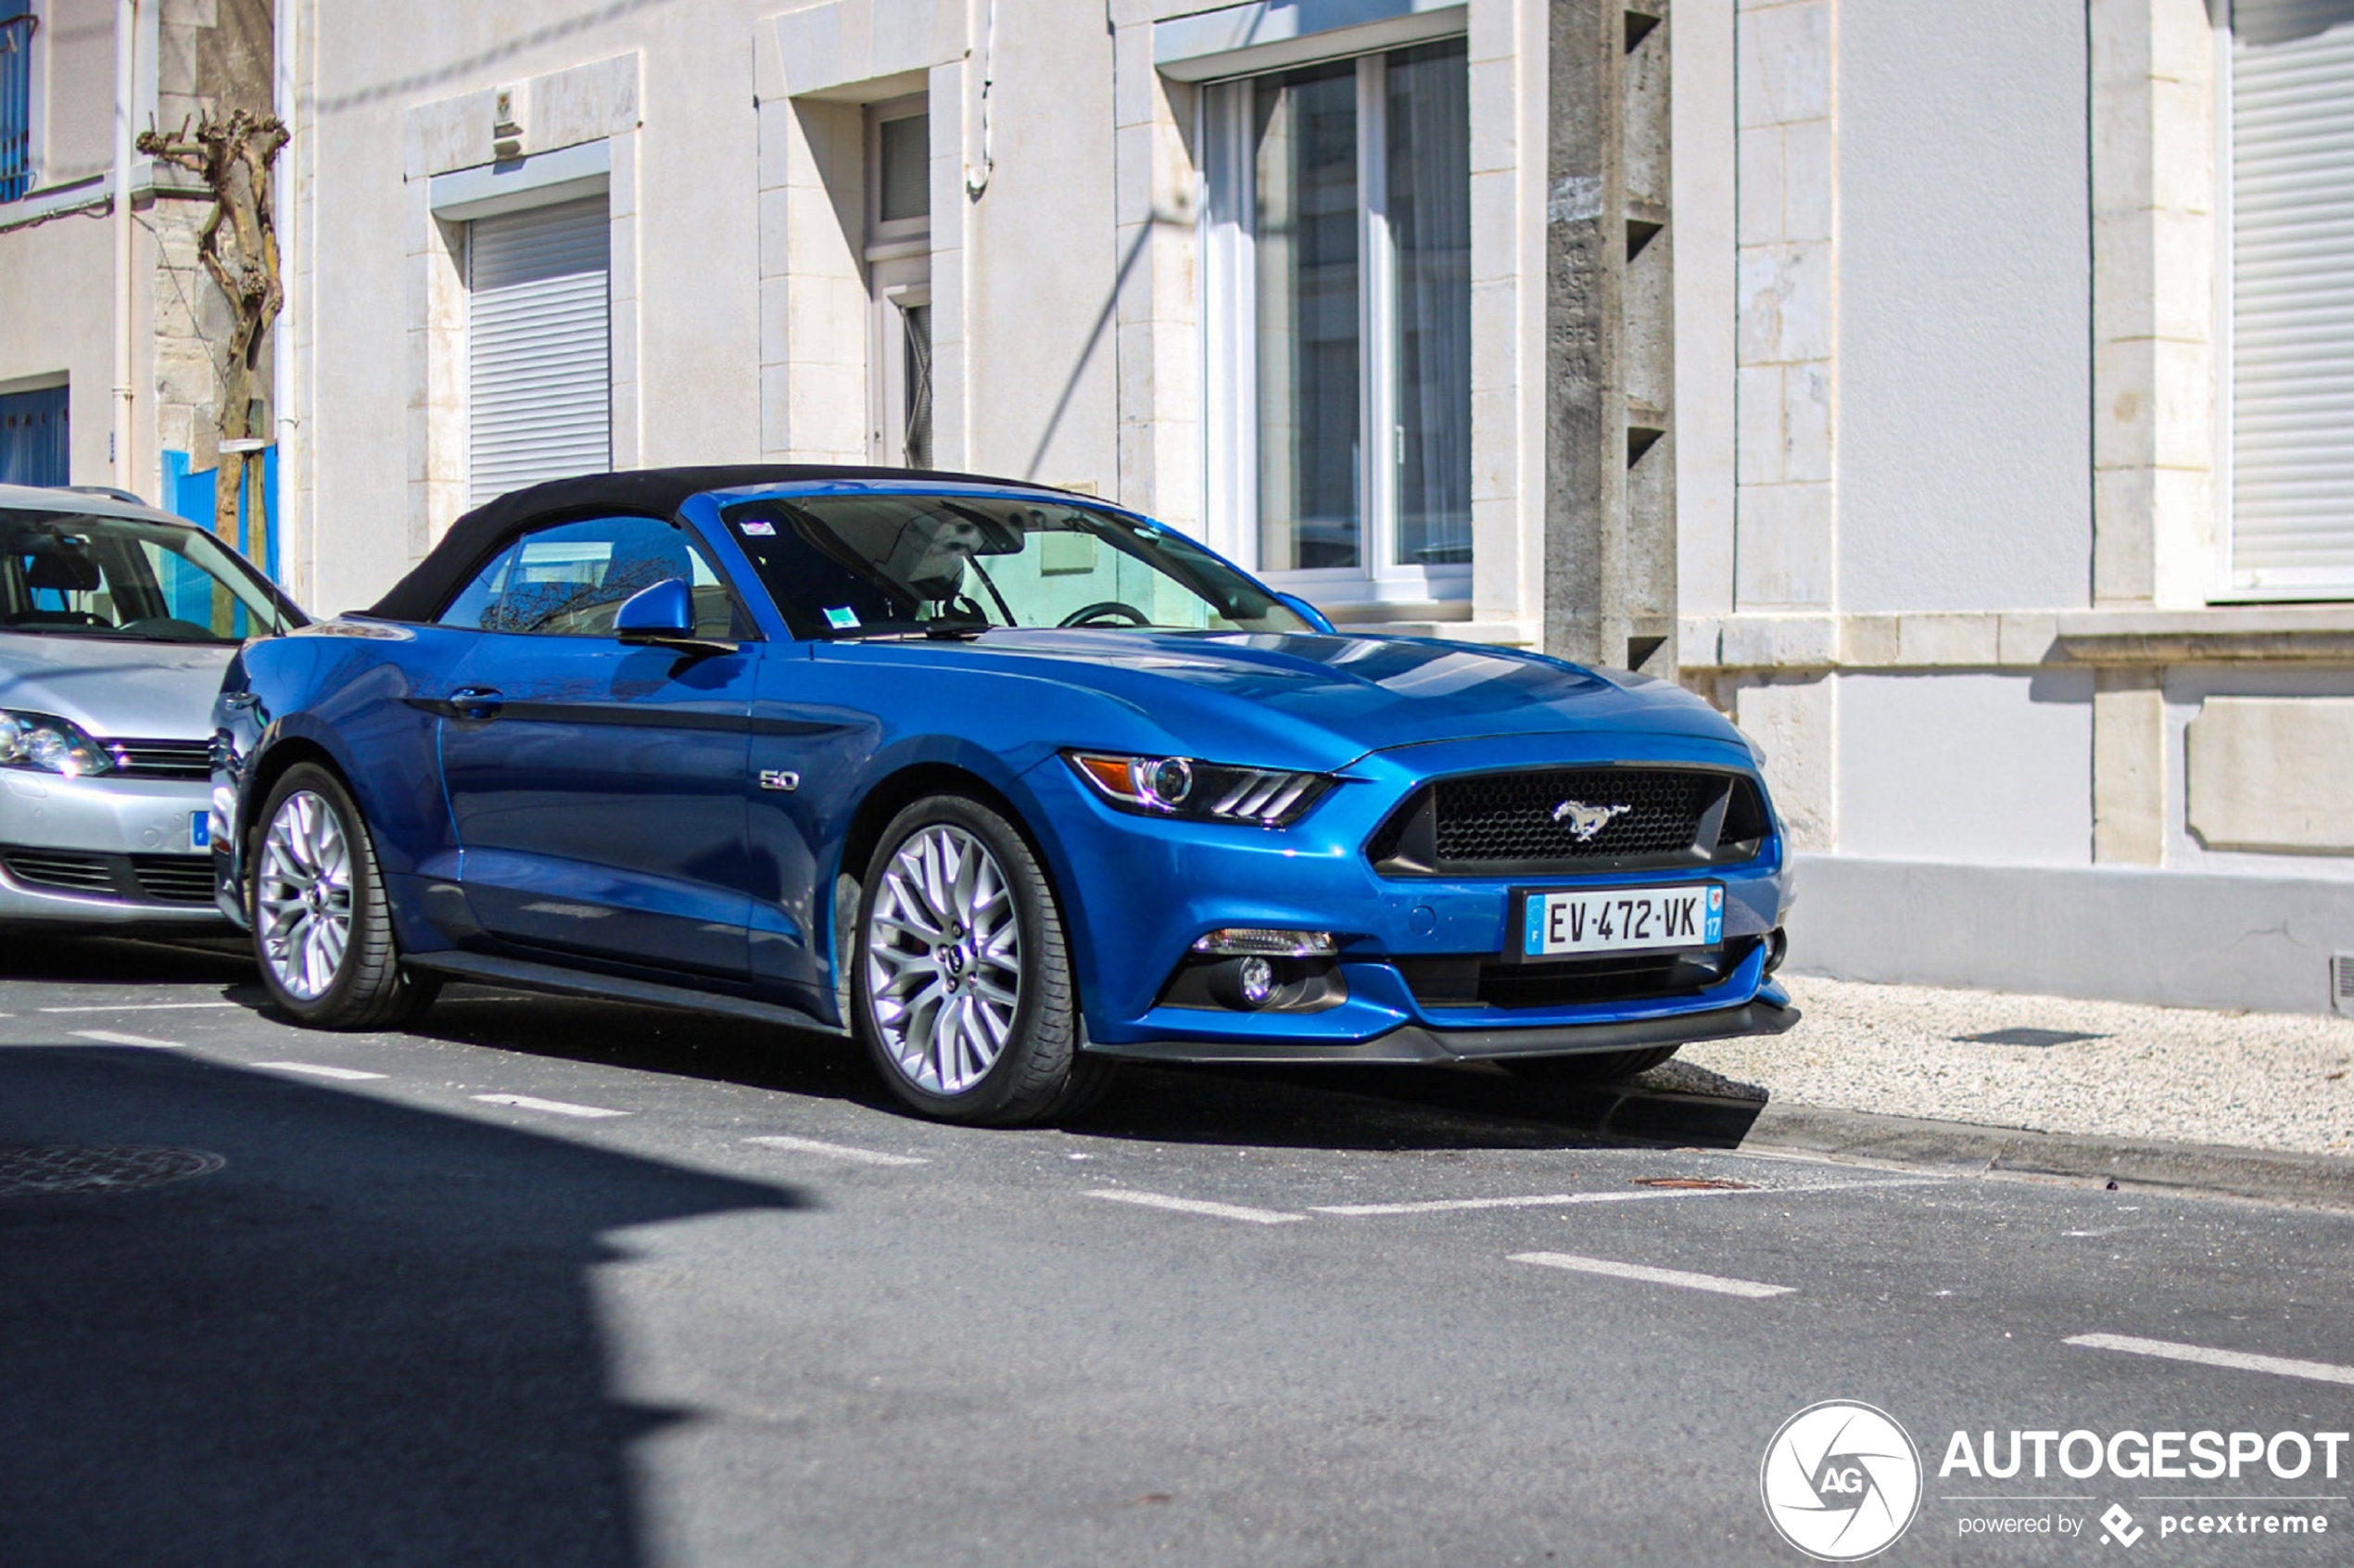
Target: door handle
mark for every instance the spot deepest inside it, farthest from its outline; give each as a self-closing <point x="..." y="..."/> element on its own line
<point x="477" y="702"/>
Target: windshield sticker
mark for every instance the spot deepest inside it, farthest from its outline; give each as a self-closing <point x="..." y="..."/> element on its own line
<point x="841" y="617"/>
<point x="754" y="527"/>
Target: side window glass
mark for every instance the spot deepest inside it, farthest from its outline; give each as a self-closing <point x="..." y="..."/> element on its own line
<point x="475" y="601"/>
<point x="570" y="579"/>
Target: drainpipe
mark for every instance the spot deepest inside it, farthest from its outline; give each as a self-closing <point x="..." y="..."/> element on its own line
<point x="126" y="43"/>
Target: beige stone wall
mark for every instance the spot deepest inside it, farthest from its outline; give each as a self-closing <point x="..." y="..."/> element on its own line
<point x="2273" y="773"/>
<point x="1786" y="387"/>
<point x="2154" y="200"/>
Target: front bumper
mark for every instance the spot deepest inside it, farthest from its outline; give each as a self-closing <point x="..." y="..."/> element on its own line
<point x="1140" y="891"/>
<point x="124" y="837"/>
<point x="1417" y="1045"/>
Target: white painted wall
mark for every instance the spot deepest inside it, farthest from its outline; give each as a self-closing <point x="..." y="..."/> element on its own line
<point x="1970" y="767"/>
<point x="1965" y="306"/>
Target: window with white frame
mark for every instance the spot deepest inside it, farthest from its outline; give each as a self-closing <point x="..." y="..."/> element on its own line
<point x="1336" y="250"/>
<point x="2291" y="292"/>
<point x="539" y="347"/>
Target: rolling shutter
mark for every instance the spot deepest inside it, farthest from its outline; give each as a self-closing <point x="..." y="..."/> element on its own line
<point x="538" y="372"/>
<point x="2293" y="297"/>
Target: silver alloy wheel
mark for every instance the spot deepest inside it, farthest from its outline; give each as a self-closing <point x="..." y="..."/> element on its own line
<point x="944" y="959"/>
<point x="302" y="896"/>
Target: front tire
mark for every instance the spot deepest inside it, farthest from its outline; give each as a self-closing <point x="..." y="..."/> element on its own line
<point x="961" y="980"/>
<point x="1596" y="1066"/>
<point x="322" y="926"/>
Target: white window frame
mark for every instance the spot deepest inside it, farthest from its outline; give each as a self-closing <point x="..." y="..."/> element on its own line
<point x="898" y="258"/>
<point x="1227" y="204"/>
<point x="2226" y="586"/>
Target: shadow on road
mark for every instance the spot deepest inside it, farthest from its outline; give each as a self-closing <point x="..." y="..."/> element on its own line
<point x="1354" y="1107"/>
<point x="63" y="960"/>
<point x="369" y="1337"/>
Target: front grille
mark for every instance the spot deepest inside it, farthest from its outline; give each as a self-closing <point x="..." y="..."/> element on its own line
<point x="1478" y="980"/>
<point x="174" y="878"/>
<point x="162" y="759"/>
<point x="121" y="878"/>
<point x="1560" y="820"/>
<point x="66" y="873"/>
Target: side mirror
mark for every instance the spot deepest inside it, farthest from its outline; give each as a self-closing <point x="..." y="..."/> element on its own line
<point x="664" y="613"/>
<point x="1308" y="612"/>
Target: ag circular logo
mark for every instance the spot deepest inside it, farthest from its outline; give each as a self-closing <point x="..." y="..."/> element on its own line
<point x="1842" y="1481"/>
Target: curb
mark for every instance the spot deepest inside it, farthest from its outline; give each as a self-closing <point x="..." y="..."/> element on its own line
<point x="2318" y="1180"/>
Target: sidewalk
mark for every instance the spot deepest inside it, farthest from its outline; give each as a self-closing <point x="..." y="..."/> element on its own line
<point x="2111" y="1069"/>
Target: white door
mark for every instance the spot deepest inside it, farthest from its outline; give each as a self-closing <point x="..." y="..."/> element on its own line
<point x="538" y="355"/>
<point x="900" y="351"/>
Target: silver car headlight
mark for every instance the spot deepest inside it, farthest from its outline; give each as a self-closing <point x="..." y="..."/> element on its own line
<point x="1261" y="797"/>
<point x="46" y="743"/>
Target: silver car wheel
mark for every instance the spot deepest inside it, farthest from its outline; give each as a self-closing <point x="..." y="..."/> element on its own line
<point x="302" y="896"/>
<point x="944" y="959"/>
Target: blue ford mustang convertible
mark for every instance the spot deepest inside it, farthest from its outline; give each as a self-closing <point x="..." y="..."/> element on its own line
<point x="1009" y="783"/>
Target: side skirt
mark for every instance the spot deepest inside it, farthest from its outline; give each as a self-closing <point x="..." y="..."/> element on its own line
<point x="520" y="974"/>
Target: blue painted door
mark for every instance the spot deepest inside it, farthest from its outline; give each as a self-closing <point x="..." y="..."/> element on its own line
<point x="34" y="450"/>
<point x="598" y="789"/>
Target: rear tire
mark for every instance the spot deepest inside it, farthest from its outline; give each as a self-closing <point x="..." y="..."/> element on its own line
<point x="1596" y="1067"/>
<point x="322" y="925"/>
<point x="960" y="981"/>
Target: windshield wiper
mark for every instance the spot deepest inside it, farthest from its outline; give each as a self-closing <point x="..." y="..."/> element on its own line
<point x="955" y="628"/>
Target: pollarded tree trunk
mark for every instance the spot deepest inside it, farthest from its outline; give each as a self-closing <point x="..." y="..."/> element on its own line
<point x="238" y="244"/>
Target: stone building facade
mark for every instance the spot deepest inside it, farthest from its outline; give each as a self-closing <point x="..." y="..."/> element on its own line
<point x="59" y="292"/>
<point x="1994" y="520"/>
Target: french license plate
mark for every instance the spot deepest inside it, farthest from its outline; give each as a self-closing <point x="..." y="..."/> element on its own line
<point x="1622" y="919"/>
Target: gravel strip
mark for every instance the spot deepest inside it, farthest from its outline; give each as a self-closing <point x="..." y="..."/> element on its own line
<point x="2262" y="1081"/>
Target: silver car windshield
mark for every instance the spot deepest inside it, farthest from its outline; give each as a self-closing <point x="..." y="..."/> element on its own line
<point x="862" y="566"/>
<point x="125" y="579"/>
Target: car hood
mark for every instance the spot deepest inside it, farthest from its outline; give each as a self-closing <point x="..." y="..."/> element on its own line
<point x="1340" y="697"/>
<point x="137" y="691"/>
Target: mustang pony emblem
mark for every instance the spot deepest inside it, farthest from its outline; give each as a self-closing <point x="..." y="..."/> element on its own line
<point x="1584" y="821"/>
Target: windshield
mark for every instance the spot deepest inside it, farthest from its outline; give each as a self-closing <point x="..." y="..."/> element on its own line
<point x="862" y="564"/>
<point x="70" y="574"/>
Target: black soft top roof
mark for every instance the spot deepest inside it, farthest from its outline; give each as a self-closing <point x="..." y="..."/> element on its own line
<point x="648" y="492"/>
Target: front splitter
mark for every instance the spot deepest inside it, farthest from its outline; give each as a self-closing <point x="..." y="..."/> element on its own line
<point x="1414" y="1046"/>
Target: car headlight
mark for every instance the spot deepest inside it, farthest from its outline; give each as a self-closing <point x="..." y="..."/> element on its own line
<point x="46" y="743"/>
<point x="1203" y="791"/>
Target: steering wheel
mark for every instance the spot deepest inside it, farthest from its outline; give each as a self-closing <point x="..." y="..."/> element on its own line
<point x="1086" y="614"/>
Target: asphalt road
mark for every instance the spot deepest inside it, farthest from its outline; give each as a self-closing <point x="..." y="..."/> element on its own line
<point x="1231" y="1318"/>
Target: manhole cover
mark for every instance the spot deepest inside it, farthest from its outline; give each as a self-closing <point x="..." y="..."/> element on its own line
<point x="25" y="1171"/>
<point x="1696" y="1184"/>
<point x="2037" y="1037"/>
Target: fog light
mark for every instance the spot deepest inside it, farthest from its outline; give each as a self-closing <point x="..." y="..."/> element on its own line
<point x="1258" y="981"/>
<point x="1777" y="948"/>
<point x="1265" y="943"/>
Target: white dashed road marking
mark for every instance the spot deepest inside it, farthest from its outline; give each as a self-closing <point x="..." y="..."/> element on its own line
<point x="316" y="1071"/>
<point x="837" y="1151"/>
<point x="108" y="1037"/>
<point x="2239" y="1361"/>
<point x="554" y="1108"/>
<point x="1649" y="1275"/>
<point x="1443" y="1206"/>
<point x="1196" y="1206"/>
<point x="141" y="1008"/>
<point x="1448" y="1205"/>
